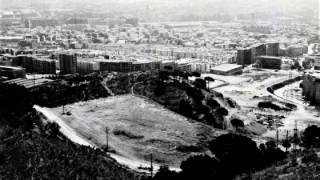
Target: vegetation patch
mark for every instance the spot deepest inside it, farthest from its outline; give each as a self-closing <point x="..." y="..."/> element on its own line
<point x="189" y="149"/>
<point x="126" y="134"/>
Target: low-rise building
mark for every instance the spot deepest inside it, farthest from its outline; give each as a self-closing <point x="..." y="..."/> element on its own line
<point x="270" y="62"/>
<point x="227" y="69"/>
<point x="9" y="72"/>
<point x="311" y="87"/>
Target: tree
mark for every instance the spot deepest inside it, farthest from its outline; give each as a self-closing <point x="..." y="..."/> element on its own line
<point x="208" y="79"/>
<point x="238" y="154"/>
<point x="185" y="77"/>
<point x="222" y="111"/>
<point x="160" y="88"/>
<point x="237" y="123"/>
<point x="176" y="73"/>
<point x="163" y="77"/>
<point x="200" y="167"/>
<point x="107" y="137"/>
<point x="213" y="103"/>
<point x="286" y="144"/>
<point x="271" y="153"/>
<point x="167" y="73"/>
<point x="54" y="129"/>
<point x="188" y="75"/>
<point x="164" y="173"/>
<point x="2" y="159"/>
<point x="312" y="136"/>
<point x="196" y="74"/>
<point x="168" y="68"/>
<point x="200" y="83"/>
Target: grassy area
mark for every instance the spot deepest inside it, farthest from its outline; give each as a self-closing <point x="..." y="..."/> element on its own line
<point x="138" y="127"/>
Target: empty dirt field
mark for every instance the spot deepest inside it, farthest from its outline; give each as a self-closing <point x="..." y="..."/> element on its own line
<point x="138" y="127"/>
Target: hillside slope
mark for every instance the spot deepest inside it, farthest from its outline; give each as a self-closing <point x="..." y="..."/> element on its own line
<point x="139" y="127"/>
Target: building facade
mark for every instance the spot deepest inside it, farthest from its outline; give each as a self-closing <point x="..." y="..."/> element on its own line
<point x="68" y="63"/>
<point x="273" y="49"/>
<point x="12" y="72"/>
<point x="270" y="62"/>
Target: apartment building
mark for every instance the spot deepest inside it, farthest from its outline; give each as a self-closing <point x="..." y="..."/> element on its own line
<point x="273" y="49"/>
<point x="270" y="62"/>
<point x="68" y="63"/>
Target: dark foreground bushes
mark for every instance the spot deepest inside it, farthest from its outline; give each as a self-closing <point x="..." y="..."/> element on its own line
<point x="30" y="149"/>
<point x="234" y="155"/>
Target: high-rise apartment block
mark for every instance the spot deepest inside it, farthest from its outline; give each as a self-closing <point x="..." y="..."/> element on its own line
<point x="270" y="62"/>
<point x="40" y="22"/>
<point x="68" y="63"/>
<point x="273" y="49"/>
<point x="33" y="64"/>
<point x="244" y="56"/>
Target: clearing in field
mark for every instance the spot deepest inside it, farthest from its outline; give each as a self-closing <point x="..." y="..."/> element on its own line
<point x="138" y="127"/>
<point x="249" y="93"/>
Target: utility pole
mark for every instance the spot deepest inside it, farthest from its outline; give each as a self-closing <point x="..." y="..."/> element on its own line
<point x="107" y="135"/>
<point x="151" y="168"/>
<point x="277" y="136"/>
<point x="295" y="139"/>
<point x="34" y="80"/>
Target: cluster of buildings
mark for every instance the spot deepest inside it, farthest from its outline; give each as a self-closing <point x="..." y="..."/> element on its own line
<point x="40" y="22"/>
<point x="31" y="64"/>
<point x="209" y="54"/>
<point x="185" y="45"/>
<point x="263" y="29"/>
<point x="265" y="55"/>
<point x="111" y="22"/>
<point x="294" y="50"/>
<point x="311" y="83"/>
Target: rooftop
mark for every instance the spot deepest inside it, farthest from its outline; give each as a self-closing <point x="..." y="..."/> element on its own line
<point x="226" y="67"/>
<point x="10" y="67"/>
<point x="270" y="57"/>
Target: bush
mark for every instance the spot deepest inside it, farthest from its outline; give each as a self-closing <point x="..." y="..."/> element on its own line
<point x="2" y="159"/>
<point x="127" y="134"/>
<point x="237" y="123"/>
<point x="213" y="103"/>
<point x="188" y="149"/>
<point x="185" y="108"/>
<point x="309" y="157"/>
<point x="200" y="83"/>
<point x="222" y="111"/>
<point x="237" y="154"/>
<point x="53" y="129"/>
<point x="312" y="136"/>
<point x="200" y="167"/>
<point x="196" y="74"/>
<point x="268" y="104"/>
<point x="165" y="174"/>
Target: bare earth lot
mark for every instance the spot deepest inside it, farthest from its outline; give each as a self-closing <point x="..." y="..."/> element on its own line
<point x="137" y="128"/>
<point x="249" y="93"/>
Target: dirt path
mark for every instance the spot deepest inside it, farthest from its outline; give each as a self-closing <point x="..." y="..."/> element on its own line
<point x="104" y="84"/>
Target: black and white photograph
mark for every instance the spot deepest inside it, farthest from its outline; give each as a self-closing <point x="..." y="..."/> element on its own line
<point x="159" y="90"/>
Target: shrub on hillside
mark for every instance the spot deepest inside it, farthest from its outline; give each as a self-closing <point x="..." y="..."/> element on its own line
<point x="237" y="123"/>
<point x="311" y="136"/>
<point x="200" y="83"/>
<point x="222" y="111"/>
<point x="213" y="103"/>
<point x="238" y="154"/>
